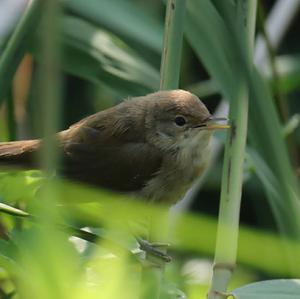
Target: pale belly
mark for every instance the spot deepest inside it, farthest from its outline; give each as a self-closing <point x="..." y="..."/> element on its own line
<point x="178" y="174"/>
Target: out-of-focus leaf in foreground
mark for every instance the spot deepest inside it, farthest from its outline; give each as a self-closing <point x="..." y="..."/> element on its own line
<point x="96" y="208"/>
<point x="19" y="185"/>
<point x="275" y="289"/>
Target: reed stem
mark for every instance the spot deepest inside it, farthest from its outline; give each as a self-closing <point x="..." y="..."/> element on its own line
<point x="232" y="179"/>
<point x="170" y="69"/>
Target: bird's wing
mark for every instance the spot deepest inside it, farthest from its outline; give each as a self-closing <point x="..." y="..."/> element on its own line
<point x="123" y="161"/>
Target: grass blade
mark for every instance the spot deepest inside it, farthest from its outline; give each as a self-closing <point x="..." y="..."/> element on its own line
<point x="17" y="45"/>
<point x="171" y="57"/>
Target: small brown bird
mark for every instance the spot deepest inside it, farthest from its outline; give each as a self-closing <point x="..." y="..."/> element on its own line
<point x="153" y="146"/>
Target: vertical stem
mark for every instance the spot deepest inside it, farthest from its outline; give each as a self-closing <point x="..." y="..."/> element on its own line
<point x="171" y="56"/>
<point x="228" y="225"/>
<point x="170" y="70"/>
<point x="49" y="107"/>
<point x="11" y="116"/>
<point x="232" y="180"/>
<point x="50" y="86"/>
<point x="251" y="22"/>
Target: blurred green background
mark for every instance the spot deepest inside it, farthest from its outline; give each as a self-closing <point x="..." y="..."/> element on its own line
<point x="110" y="50"/>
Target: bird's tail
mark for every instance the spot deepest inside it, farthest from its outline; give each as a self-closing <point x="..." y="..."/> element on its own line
<point x="19" y="153"/>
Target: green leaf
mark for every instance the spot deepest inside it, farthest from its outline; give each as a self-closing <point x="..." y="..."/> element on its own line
<point x="100" y="57"/>
<point x="288" y="68"/>
<point x="212" y="49"/>
<point x="7" y="256"/>
<point x="224" y="59"/>
<point x="125" y="18"/>
<point x="19" y="185"/>
<point x="12" y="211"/>
<point x="17" y="45"/>
<point x="269" y="289"/>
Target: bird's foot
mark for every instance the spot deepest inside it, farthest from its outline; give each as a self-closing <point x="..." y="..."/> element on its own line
<point x="155" y="252"/>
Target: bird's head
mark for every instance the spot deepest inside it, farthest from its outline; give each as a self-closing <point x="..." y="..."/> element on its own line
<point x="178" y="118"/>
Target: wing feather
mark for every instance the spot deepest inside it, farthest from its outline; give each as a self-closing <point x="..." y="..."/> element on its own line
<point x="110" y="151"/>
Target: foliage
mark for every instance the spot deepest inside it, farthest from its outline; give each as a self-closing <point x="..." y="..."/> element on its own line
<point x="114" y="48"/>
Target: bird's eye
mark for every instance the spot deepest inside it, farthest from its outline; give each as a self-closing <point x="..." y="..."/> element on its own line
<point x="180" y="121"/>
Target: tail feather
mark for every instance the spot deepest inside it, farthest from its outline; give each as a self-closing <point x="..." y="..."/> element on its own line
<point x="19" y="153"/>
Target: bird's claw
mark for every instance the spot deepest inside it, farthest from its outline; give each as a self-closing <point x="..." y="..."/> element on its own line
<point x="155" y="250"/>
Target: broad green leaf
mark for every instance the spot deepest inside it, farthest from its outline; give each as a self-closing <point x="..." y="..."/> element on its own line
<point x="101" y="57"/>
<point x="269" y="289"/>
<point x="212" y="49"/>
<point x="266" y="137"/>
<point x="49" y="264"/>
<point x="223" y="57"/>
<point x="89" y="207"/>
<point x="125" y="18"/>
<point x="287" y="68"/>
<point x="7" y="256"/>
<point x="19" y="185"/>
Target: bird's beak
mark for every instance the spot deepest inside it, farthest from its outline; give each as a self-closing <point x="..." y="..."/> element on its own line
<point x="214" y="123"/>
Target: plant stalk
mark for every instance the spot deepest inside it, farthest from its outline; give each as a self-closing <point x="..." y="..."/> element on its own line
<point x="171" y="56"/>
<point x="11" y="121"/>
<point x="49" y="92"/>
<point x="170" y="69"/>
<point x="232" y="178"/>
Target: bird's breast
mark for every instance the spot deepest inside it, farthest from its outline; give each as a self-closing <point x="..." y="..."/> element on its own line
<point x="179" y="170"/>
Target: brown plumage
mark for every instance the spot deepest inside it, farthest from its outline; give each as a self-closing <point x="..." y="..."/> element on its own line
<point x="18" y="153"/>
<point x="153" y="146"/>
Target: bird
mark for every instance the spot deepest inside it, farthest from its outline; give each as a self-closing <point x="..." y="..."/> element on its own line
<point x="152" y="146"/>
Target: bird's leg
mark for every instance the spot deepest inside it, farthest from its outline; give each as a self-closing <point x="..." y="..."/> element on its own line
<point x="155" y="252"/>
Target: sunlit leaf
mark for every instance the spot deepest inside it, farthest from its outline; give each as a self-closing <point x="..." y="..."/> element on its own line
<point x="19" y="185"/>
<point x="123" y="17"/>
<point x="101" y="57"/>
<point x="275" y="289"/>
